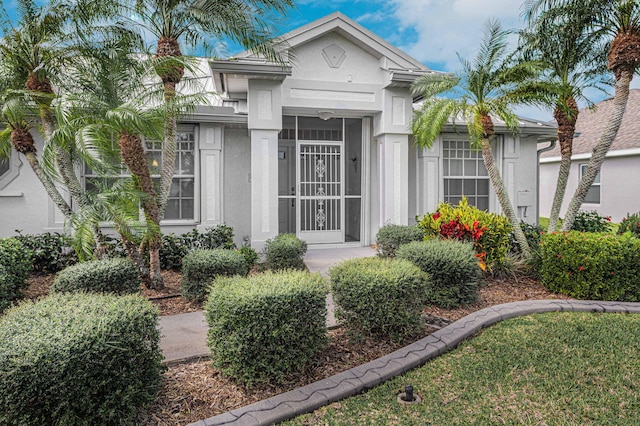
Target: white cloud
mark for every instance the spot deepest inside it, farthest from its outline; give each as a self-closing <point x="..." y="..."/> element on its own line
<point x="443" y="28"/>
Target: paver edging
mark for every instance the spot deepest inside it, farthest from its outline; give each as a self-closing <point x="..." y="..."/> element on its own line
<point x="364" y="377"/>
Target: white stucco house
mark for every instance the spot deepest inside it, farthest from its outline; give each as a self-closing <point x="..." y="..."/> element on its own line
<point x="615" y="191"/>
<point x="321" y="148"/>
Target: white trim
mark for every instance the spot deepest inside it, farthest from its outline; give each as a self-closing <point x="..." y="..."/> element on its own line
<point x="13" y="171"/>
<point x="587" y="156"/>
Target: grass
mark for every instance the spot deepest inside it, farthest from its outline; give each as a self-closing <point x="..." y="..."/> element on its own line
<point x="550" y="369"/>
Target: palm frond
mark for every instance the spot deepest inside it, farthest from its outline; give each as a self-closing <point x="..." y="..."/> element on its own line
<point x="431" y="117"/>
<point x="430" y="85"/>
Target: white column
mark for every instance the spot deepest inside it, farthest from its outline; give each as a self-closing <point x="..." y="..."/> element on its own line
<point x="264" y="122"/>
<point x="264" y="186"/>
<point x="428" y="178"/>
<point x="394" y="172"/>
<point x="211" y="175"/>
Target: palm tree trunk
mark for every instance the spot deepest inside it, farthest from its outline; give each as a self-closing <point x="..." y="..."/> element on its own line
<point x="48" y="185"/>
<point x="503" y="197"/>
<point x="623" y="79"/>
<point x="22" y="141"/>
<point x="133" y="156"/>
<point x="65" y="166"/>
<point x="566" y="130"/>
<point x="171" y="74"/>
<point x="169" y="149"/>
<point x="561" y="187"/>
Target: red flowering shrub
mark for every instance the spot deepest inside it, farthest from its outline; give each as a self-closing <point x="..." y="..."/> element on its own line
<point x="488" y="232"/>
<point x="631" y="224"/>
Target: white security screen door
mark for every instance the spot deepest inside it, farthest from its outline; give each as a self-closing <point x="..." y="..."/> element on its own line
<point x="321" y="178"/>
<point x="321" y="195"/>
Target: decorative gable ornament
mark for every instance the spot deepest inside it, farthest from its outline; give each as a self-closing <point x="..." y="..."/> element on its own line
<point x="334" y="55"/>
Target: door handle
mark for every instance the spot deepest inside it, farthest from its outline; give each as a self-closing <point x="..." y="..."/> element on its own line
<point x="293" y="192"/>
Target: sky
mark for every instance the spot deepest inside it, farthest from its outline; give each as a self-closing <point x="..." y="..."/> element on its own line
<point x="432" y="31"/>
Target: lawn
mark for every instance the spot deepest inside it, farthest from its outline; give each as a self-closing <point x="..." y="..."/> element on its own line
<point x="547" y="369"/>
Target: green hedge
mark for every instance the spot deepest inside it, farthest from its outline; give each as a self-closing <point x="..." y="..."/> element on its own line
<point x="285" y="251"/>
<point x="379" y="297"/>
<point x="452" y="266"/>
<point x="631" y="224"/>
<point x="592" y="266"/>
<point x="78" y="359"/>
<point x="200" y="267"/>
<point x="266" y="326"/>
<point x="52" y="252"/>
<point x="391" y="237"/>
<point x="117" y="276"/>
<point x="175" y="247"/>
<point x="15" y="265"/>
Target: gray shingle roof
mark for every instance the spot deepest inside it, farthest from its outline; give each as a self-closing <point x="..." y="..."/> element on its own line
<point x="591" y="124"/>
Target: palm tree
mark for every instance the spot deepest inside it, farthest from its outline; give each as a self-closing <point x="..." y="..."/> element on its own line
<point x="485" y="88"/>
<point x="193" y="23"/>
<point x="17" y="124"/>
<point x="111" y="103"/>
<point x="571" y="60"/>
<point x="36" y="51"/>
<point x="618" y="23"/>
<point x="35" y="54"/>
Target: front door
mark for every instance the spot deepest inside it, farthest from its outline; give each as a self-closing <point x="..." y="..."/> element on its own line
<point x="320" y="178"/>
<point x="320" y="209"/>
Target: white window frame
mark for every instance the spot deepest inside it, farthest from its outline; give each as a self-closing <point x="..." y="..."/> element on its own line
<point x="13" y="170"/>
<point x="596" y="183"/>
<point x="182" y="128"/>
<point x="479" y="161"/>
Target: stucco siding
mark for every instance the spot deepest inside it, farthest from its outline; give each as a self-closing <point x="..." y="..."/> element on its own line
<point x="619" y="193"/>
<point x="524" y="199"/>
<point x="24" y="204"/>
<point x="237" y="187"/>
<point x="334" y="58"/>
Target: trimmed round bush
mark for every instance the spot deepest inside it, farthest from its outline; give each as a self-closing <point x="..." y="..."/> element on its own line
<point x="15" y="265"/>
<point x="117" y="276"/>
<point x="200" y="267"/>
<point x="79" y="359"/>
<point x="266" y="326"/>
<point x="452" y="266"/>
<point x="592" y="266"/>
<point x="379" y="297"/>
<point x="286" y="251"/>
<point x="391" y="237"/>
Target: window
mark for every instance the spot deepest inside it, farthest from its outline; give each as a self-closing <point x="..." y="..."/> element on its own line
<point x="9" y="169"/>
<point x="464" y="174"/>
<point x="4" y="166"/>
<point x="593" y="195"/>
<point x="181" y="203"/>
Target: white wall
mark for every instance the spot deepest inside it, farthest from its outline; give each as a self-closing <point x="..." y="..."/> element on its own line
<point x="237" y="187"/>
<point x="518" y="162"/>
<point x="619" y="191"/>
<point x="24" y="203"/>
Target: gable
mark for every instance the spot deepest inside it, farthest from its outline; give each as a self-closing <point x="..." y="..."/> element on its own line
<point x="332" y="57"/>
<point x="388" y="55"/>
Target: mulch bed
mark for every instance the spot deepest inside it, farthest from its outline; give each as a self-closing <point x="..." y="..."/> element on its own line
<point x="195" y="391"/>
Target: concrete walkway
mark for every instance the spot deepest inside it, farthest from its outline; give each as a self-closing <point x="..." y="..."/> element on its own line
<point x="184" y="336"/>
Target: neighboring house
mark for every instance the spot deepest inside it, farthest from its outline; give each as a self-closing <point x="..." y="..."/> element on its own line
<point x="321" y="148"/>
<point x="615" y="191"/>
